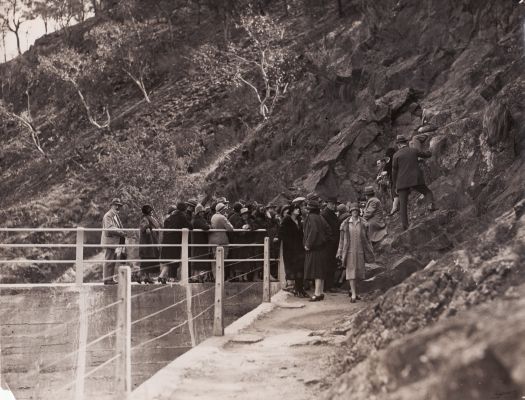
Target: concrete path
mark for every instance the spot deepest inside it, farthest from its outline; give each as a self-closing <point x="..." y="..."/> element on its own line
<point x="272" y="353"/>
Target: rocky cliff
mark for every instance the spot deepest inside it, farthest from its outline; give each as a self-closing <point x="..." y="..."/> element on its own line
<point x="450" y="72"/>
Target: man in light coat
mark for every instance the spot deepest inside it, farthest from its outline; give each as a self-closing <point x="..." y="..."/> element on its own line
<point x="219" y="221"/>
<point x="373" y="214"/>
<point x="109" y="239"/>
<point x="407" y="176"/>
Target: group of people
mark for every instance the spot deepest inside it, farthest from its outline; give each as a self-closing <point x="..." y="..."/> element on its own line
<point x="323" y="240"/>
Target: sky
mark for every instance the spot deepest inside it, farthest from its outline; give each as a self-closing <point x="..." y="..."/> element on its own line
<point x="29" y="32"/>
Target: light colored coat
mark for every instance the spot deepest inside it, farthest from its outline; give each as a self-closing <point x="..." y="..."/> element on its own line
<point x="111" y="220"/>
<point x="344" y="242"/>
<point x="219" y="221"/>
<point x="373" y="214"/>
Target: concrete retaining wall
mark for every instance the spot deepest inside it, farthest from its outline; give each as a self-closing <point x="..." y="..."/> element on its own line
<point x="39" y="326"/>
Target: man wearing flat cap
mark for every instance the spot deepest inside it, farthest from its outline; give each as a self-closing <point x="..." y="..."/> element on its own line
<point x="407" y="176"/>
<point x="112" y="235"/>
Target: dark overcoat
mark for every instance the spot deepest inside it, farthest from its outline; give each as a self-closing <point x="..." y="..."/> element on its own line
<point x="291" y="237"/>
<point x="201" y="252"/>
<point x="406" y="172"/>
<point x="176" y="220"/>
<point x="317" y="233"/>
<point x="148" y="236"/>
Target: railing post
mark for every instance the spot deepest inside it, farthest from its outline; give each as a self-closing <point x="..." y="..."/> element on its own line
<point x="79" y="261"/>
<point x="218" y="322"/>
<point x="282" y="272"/>
<point x="184" y="273"/>
<point x="266" y="271"/>
<point x="82" y="342"/>
<point x="123" y="372"/>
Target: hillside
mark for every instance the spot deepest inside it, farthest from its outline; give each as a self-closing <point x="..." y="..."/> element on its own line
<point x="451" y="71"/>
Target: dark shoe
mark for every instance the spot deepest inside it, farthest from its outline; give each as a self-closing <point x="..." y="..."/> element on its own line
<point x="321" y="297"/>
<point x="162" y="280"/>
<point x="148" y="280"/>
<point x="110" y="283"/>
<point x="315" y="298"/>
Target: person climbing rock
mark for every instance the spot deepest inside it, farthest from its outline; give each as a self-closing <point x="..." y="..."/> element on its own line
<point x="407" y="176"/>
<point x="355" y="249"/>
<point x="373" y="214"/>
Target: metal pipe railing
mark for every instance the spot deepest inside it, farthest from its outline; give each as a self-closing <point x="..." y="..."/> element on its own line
<point x="80" y="245"/>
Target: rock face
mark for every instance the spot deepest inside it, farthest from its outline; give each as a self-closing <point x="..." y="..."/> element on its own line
<point x="439" y="334"/>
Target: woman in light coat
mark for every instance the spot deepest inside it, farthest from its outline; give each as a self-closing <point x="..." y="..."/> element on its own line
<point x="355" y="248"/>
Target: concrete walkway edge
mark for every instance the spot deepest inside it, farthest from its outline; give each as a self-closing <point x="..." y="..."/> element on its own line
<point x="170" y="380"/>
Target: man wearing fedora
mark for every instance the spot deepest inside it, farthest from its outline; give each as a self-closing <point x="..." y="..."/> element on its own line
<point x="110" y="238"/>
<point x="407" y="175"/>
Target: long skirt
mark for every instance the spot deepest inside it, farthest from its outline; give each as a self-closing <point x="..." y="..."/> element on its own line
<point x="315" y="264"/>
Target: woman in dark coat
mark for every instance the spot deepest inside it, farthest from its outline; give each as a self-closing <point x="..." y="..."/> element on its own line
<point x="176" y="220"/>
<point x="317" y="232"/>
<point x="291" y="236"/>
<point x="148" y="236"/>
<point x="199" y="270"/>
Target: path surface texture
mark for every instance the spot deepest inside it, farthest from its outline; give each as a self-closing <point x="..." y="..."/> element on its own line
<point x="275" y="352"/>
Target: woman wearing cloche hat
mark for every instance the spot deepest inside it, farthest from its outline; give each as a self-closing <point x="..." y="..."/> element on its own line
<point x="355" y="248"/>
<point x="316" y="235"/>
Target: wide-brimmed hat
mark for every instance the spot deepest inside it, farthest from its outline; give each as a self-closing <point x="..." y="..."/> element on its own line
<point x="341" y="208"/>
<point x="331" y="199"/>
<point x="369" y="190"/>
<point x="116" y="201"/>
<point x="245" y="210"/>
<point x="298" y="200"/>
<point x="312" y="205"/>
<point x="219" y="207"/>
<point x="192" y="202"/>
<point x="199" y="208"/>
<point x="401" y="139"/>
<point x="237" y="207"/>
<point x="284" y="208"/>
<point x="222" y="200"/>
<point x="353" y="206"/>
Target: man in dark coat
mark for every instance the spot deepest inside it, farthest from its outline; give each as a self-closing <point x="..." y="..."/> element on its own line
<point x="333" y="243"/>
<point x="407" y="176"/>
<point x="178" y="219"/>
<point x="199" y="269"/>
<point x="317" y="233"/>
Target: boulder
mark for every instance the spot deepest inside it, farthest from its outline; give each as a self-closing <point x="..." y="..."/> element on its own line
<point x="403" y="268"/>
<point x="429" y="234"/>
<point x="372" y="270"/>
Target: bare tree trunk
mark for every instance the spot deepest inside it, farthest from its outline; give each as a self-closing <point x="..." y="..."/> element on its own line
<point x="340" y="8"/>
<point x="17" y="41"/>
<point x="92" y="120"/>
<point x="3" y="46"/>
<point x="140" y="83"/>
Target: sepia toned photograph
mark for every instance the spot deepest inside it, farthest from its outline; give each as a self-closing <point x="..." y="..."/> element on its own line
<point x="262" y="199"/>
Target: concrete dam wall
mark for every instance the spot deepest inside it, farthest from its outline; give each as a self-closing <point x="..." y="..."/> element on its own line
<point x="41" y="332"/>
